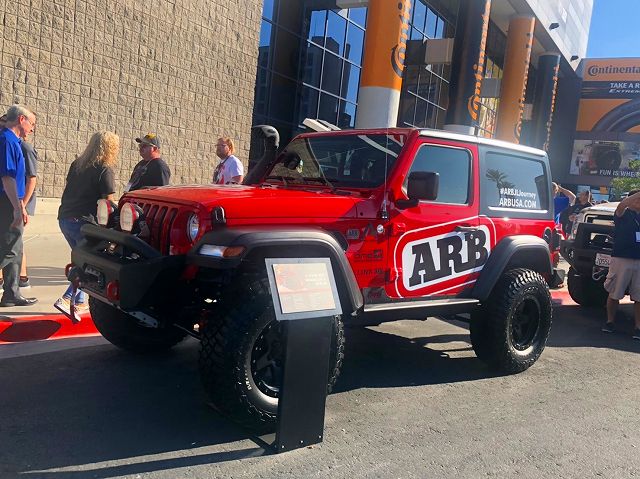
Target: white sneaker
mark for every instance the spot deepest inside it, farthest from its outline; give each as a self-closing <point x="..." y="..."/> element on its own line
<point x="64" y="306"/>
<point x="82" y="308"/>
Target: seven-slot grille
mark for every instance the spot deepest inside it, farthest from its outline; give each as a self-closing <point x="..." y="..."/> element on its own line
<point x="159" y="220"/>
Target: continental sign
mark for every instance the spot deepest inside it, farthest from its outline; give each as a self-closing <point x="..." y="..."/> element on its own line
<point x="388" y="32"/>
<point x="399" y="51"/>
<point x="607" y="79"/>
<point x="473" y="104"/>
<point x="611" y="79"/>
<point x="608" y="128"/>
<point x="611" y="70"/>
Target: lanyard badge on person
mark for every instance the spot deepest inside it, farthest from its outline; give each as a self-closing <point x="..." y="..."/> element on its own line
<point x="218" y="171"/>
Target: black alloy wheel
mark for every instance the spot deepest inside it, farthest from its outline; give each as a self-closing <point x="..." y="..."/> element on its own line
<point x="525" y="324"/>
<point x="267" y="360"/>
<point x="510" y="330"/>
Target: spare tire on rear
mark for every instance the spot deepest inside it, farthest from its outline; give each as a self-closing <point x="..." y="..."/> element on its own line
<point x="585" y="291"/>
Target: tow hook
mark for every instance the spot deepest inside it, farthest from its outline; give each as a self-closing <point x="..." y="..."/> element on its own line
<point x="599" y="273"/>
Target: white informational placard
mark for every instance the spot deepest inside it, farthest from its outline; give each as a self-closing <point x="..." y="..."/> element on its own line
<point x="302" y="288"/>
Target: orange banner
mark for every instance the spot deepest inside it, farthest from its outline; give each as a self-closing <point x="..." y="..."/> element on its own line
<point x="386" y="43"/>
<point x="514" y="80"/>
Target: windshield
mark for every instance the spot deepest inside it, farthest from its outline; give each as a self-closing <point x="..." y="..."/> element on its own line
<point x="357" y="161"/>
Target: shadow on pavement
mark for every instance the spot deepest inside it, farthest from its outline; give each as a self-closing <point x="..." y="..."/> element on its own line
<point x="99" y="404"/>
<point x="37" y="330"/>
<point x="13" y="315"/>
<point x="579" y="326"/>
<point x="47" y="276"/>
<point x="133" y="470"/>
<point x="79" y="407"/>
<point x="376" y="359"/>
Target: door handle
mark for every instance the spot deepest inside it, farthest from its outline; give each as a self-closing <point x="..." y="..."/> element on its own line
<point x="466" y="228"/>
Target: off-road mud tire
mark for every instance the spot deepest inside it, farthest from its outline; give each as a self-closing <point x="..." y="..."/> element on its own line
<point x="122" y="330"/>
<point x="585" y="291"/>
<point x="227" y="346"/>
<point x="511" y="329"/>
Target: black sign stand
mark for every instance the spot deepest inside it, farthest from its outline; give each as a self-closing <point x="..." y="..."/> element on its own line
<point x="303" y="394"/>
<point x="304" y="387"/>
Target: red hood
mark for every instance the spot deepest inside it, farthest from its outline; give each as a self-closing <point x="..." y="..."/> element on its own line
<point x="241" y="201"/>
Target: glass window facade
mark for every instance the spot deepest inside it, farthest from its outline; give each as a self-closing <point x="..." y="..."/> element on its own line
<point x="425" y="89"/>
<point x="493" y="68"/>
<point x="310" y="61"/>
<point x="309" y="64"/>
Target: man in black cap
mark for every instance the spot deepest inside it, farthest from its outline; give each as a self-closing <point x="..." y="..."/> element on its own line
<point x="152" y="170"/>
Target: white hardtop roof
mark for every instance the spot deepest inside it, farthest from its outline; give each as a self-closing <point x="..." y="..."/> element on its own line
<point x="450" y="135"/>
<point x="609" y="207"/>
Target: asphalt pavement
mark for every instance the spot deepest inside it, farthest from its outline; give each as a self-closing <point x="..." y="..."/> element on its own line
<point x="412" y="402"/>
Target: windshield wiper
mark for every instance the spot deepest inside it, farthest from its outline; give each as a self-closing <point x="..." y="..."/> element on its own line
<point x="320" y="179"/>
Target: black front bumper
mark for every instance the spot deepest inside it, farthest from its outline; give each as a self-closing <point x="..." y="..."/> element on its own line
<point x="144" y="276"/>
<point x="581" y="252"/>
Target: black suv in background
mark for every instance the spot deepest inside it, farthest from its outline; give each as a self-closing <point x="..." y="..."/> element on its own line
<point x="588" y="251"/>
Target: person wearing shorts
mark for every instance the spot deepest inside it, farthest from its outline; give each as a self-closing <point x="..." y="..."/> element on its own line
<point x="624" y="270"/>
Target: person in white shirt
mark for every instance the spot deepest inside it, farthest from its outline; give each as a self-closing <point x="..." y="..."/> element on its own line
<point x="230" y="169"/>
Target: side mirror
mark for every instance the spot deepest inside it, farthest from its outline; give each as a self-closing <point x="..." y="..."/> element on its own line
<point x="422" y="185"/>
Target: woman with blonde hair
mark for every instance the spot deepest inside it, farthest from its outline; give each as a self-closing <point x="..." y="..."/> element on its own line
<point x="90" y="178"/>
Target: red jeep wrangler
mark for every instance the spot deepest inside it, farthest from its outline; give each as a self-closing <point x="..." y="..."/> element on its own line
<point x="416" y="223"/>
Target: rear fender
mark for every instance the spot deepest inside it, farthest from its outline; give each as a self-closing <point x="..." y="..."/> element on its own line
<point x="524" y="251"/>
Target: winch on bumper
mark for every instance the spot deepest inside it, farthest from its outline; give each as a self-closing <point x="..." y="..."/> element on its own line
<point x="121" y="269"/>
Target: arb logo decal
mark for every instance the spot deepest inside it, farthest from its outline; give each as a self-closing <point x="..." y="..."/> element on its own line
<point x="440" y="258"/>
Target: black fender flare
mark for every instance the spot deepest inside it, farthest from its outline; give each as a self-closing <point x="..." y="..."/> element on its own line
<point x="283" y="243"/>
<point x="523" y="251"/>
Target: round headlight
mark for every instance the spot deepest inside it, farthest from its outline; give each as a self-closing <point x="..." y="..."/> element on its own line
<point x="193" y="227"/>
<point x="128" y="217"/>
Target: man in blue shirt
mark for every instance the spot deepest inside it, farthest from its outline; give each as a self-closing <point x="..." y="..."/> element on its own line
<point x="562" y="199"/>
<point x="624" y="270"/>
<point x="13" y="215"/>
<point x="31" y="172"/>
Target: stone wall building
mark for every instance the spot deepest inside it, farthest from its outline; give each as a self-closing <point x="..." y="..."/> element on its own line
<point x="184" y="69"/>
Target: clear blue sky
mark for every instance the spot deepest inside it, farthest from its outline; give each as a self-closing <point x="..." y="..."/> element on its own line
<point x="615" y="29"/>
